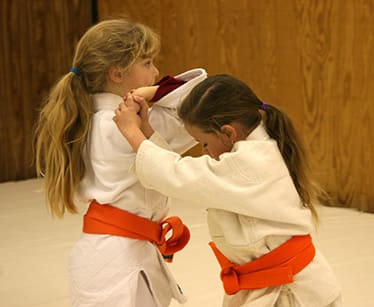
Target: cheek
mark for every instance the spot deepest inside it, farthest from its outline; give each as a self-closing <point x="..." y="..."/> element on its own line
<point x="219" y="149"/>
<point x="140" y="82"/>
<point x="147" y="80"/>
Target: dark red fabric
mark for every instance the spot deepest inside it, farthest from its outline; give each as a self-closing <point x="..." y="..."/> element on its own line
<point x="166" y="85"/>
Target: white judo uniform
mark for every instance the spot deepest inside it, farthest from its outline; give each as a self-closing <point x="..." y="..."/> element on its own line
<point x="111" y="271"/>
<point x="253" y="207"/>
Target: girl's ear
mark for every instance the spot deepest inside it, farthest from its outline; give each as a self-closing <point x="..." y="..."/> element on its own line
<point x="229" y="132"/>
<point x="115" y="74"/>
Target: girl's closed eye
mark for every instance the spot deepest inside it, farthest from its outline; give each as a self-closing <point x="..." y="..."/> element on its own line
<point x="202" y="144"/>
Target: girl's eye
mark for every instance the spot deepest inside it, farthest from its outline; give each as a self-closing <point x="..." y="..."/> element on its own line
<point x="204" y="145"/>
<point x="148" y="63"/>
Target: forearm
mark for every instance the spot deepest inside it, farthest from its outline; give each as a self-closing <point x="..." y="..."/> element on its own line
<point x="135" y="137"/>
<point x="147" y="130"/>
<point x="147" y="92"/>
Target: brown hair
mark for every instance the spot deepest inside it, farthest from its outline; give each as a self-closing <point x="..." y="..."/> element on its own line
<point x="64" y="121"/>
<point x="223" y="99"/>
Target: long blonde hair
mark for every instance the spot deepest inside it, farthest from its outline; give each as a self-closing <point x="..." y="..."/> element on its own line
<point x="223" y="99"/>
<point x="63" y="125"/>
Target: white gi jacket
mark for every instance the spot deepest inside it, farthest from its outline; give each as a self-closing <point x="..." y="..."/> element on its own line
<point x="108" y="271"/>
<point x="253" y="207"/>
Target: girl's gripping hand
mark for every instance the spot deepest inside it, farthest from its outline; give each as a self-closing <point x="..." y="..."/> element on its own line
<point x="143" y="114"/>
<point x="126" y="115"/>
<point x="131" y="118"/>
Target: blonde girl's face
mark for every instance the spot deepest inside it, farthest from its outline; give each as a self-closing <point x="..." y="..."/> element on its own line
<point x="142" y="73"/>
<point x="212" y="144"/>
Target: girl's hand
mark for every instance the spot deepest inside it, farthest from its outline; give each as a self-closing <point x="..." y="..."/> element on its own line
<point x="143" y="114"/>
<point x="131" y="119"/>
<point x="127" y="118"/>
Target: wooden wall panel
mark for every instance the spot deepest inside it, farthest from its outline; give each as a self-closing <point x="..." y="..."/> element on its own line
<point x="313" y="59"/>
<point x="37" y="40"/>
<point x="336" y="52"/>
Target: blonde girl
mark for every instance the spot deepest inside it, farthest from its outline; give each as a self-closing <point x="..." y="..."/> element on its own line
<point x="255" y="181"/>
<point x="84" y="159"/>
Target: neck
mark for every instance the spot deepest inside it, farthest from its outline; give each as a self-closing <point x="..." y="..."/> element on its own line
<point x="116" y="89"/>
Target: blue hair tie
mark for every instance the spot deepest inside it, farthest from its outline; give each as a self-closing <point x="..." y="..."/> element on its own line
<point x="75" y="71"/>
<point x="263" y="106"/>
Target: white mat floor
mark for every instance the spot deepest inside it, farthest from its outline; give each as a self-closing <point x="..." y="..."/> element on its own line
<point x="34" y="250"/>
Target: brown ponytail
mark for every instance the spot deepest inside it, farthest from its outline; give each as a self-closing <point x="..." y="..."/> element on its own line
<point x="280" y="128"/>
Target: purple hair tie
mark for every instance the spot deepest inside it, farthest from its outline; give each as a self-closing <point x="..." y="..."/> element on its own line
<point x="263" y="105"/>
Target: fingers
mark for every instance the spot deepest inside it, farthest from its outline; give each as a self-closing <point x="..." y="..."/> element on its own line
<point x="129" y="103"/>
<point x="118" y="111"/>
<point x="144" y="110"/>
<point x="132" y="103"/>
<point x="140" y="100"/>
<point x="128" y="100"/>
<point x="121" y="106"/>
<point x="142" y="103"/>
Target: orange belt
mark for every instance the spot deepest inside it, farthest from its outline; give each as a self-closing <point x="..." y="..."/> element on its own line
<point x="106" y="219"/>
<point x="273" y="269"/>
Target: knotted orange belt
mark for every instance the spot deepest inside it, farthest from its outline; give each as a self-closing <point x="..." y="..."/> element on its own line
<point x="106" y="219"/>
<point x="273" y="269"/>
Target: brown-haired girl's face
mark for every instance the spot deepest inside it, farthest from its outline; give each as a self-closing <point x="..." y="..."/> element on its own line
<point x="212" y="144"/>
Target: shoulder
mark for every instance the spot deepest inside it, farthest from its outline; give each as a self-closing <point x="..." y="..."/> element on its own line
<point x="259" y="159"/>
<point x="105" y="138"/>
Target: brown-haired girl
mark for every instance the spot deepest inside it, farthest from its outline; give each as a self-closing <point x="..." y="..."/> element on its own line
<point x="82" y="156"/>
<point x="255" y="181"/>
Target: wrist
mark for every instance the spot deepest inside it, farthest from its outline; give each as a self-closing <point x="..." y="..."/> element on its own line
<point x="147" y="130"/>
<point x="135" y="137"/>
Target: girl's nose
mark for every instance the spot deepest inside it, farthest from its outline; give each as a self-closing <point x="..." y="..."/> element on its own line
<point x="156" y="71"/>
